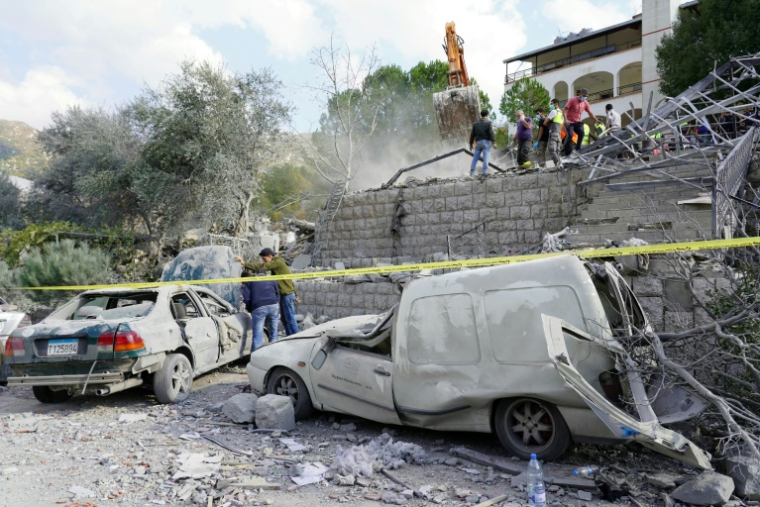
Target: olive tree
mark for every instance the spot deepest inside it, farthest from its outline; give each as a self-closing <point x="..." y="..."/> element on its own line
<point x="207" y="135"/>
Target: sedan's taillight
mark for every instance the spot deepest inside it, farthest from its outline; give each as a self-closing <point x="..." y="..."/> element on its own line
<point x="14" y="347"/>
<point x="128" y="341"/>
<point x="105" y="343"/>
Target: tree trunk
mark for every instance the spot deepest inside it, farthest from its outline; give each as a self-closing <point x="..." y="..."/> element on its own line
<point x="243" y="222"/>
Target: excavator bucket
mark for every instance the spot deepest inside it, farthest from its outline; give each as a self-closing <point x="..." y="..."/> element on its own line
<point x="456" y="110"/>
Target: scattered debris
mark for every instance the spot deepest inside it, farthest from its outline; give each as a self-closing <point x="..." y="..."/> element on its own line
<point x="308" y="473"/>
<point x="275" y="412"/>
<point x="708" y="488"/>
<point x="132" y="418"/>
<point x="241" y="408"/>
<point x="745" y="472"/>
<point x="196" y="465"/>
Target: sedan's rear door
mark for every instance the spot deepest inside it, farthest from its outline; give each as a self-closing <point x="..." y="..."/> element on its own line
<point x="199" y="328"/>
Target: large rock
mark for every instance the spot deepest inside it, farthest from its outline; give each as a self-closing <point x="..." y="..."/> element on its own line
<point x="241" y="408"/>
<point x="275" y="412"/>
<point x="746" y="475"/>
<point x="708" y="488"/>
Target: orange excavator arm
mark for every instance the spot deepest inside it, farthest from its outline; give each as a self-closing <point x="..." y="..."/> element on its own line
<point x="454" y="47"/>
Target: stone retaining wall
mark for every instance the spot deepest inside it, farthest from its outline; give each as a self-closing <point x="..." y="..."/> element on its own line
<point x="500" y="215"/>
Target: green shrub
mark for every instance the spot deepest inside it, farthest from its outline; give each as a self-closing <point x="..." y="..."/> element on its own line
<point x="12" y="243"/>
<point x="67" y="263"/>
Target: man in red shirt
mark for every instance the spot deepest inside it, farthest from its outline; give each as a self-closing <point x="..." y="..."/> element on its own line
<point x="573" y="111"/>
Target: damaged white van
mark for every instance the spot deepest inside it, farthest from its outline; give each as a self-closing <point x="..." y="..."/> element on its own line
<point x="527" y="351"/>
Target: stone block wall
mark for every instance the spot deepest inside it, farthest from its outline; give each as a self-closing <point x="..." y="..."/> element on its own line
<point x="337" y="299"/>
<point x="500" y="215"/>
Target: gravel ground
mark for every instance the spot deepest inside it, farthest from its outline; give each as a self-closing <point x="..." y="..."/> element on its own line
<point x="60" y="454"/>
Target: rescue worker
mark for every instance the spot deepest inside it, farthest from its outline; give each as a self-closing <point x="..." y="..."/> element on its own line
<point x="482" y="136"/>
<point x="524" y="139"/>
<point x="543" y="138"/>
<point x="587" y="135"/>
<point x="573" y="111"/>
<point x="612" y="120"/>
<point x="554" y="121"/>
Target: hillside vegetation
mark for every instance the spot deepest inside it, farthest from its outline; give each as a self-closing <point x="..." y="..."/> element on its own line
<point x="21" y="154"/>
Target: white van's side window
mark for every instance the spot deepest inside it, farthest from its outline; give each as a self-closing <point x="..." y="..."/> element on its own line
<point x="514" y="317"/>
<point x="442" y="331"/>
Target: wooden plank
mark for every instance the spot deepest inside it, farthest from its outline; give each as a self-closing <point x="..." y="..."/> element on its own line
<point x="491" y="461"/>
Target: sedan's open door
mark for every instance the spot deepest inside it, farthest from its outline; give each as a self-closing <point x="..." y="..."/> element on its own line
<point x="646" y="430"/>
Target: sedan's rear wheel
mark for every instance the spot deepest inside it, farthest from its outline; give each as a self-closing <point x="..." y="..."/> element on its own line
<point x="286" y="382"/>
<point x="45" y="394"/>
<point x="526" y="426"/>
<point x="173" y="382"/>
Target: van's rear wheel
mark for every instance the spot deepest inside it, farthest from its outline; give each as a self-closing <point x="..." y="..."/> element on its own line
<point x="526" y="426"/>
<point x="46" y="395"/>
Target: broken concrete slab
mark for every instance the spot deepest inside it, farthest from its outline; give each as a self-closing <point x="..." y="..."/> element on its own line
<point x="663" y="481"/>
<point x="241" y="408"/>
<point x="745" y="472"/>
<point x="708" y="488"/>
<point x="275" y="412"/>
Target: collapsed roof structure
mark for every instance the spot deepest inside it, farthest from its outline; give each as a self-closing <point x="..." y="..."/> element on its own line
<point x="732" y="88"/>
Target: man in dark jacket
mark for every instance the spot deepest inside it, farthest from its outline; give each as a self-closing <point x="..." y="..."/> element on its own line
<point x="262" y="300"/>
<point x="481" y="136"/>
<point x="288" y="296"/>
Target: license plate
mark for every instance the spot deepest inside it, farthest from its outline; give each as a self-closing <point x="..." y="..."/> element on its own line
<point x="62" y="347"/>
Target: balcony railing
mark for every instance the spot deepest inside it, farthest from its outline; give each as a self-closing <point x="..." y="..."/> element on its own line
<point x="601" y="95"/>
<point x="545" y="67"/>
<point x="629" y="88"/>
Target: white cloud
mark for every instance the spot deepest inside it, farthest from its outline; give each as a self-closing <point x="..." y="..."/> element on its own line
<point x="131" y="42"/>
<point x="43" y="89"/>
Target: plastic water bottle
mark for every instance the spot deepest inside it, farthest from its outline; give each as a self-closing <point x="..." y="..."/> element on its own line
<point x="586" y="471"/>
<point x="536" y="491"/>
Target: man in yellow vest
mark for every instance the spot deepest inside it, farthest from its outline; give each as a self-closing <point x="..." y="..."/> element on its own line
<point x="587" y="135"/>
<point x="554" y="121"/>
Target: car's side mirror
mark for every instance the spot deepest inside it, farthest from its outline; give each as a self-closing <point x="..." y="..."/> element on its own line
<point x="321" y="356"/>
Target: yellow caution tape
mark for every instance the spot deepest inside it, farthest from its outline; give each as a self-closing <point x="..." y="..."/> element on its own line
<point x="469" y="263"/>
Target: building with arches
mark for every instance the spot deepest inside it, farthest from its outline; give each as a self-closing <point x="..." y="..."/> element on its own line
<point x="617" y="64"/>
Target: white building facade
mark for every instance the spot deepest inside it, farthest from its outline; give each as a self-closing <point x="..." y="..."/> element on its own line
<point x="616" y="64"/>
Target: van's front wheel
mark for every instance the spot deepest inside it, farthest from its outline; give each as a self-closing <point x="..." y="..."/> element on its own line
<point x="526" y="426"/>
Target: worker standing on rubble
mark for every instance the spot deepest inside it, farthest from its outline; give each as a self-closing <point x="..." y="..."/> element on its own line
<point x="288" y="296"/>
<point x="554" y="122"/>
<point x="543" y="138"/>
<point x="524" y="139"/>
<point x="262" y="301"/>
<point x="587" y="135"/>
<point x="613" y="119"/>
<point x="482" y="136"/>
<point x="573" y="111"/>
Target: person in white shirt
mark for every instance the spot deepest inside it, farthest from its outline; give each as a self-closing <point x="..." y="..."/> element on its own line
<point x="613" y="119"/>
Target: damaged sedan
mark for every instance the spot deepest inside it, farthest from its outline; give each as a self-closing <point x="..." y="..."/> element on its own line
<point x="530" y="352"/>
<point x="109" y="340"/>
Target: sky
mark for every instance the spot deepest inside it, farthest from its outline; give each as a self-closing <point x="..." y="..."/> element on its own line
<point x="101" y="53"/>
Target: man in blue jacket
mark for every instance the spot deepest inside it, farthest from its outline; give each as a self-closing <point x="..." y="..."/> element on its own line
<point x="262" y="299"/>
